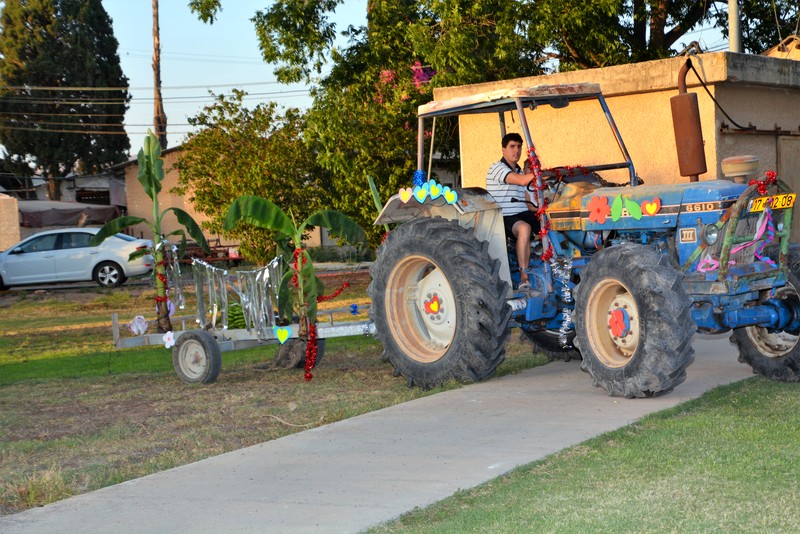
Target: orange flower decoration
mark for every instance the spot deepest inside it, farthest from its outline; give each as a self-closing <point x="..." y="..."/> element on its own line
<point x="599" y="210"/>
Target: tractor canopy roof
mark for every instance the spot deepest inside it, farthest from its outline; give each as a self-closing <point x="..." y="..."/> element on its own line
<point x="558" y="96"/>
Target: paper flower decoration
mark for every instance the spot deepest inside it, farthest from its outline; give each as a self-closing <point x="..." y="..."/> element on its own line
<point x="138" y="326"/>
<point x="598" y="209"/>
<point x="169" y="339"/>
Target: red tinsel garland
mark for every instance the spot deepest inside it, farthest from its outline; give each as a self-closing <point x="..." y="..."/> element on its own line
<point x="538" y="197"/>
<point x="311" y="351"/>
<point x="323" y="298"/>
<point x="297" y="252"/>
<point x="163" y="278"/>
<point x="769" y="179"/>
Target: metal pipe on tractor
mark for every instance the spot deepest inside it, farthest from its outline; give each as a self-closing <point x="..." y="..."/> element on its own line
<point x="688" y="130"/>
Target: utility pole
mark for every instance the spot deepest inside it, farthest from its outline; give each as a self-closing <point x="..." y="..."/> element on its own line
<point x="734" y="32"/>
<point x="159" y="117"/>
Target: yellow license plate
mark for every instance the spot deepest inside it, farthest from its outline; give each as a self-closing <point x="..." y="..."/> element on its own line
<point x="777" y="202"/>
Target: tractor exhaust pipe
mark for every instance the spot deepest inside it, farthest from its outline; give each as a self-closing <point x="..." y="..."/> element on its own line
<point x="688" y="130"/>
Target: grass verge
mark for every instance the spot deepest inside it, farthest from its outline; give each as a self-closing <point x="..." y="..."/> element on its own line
<point x="77" y="415"/>
<point x="726" y="462"/>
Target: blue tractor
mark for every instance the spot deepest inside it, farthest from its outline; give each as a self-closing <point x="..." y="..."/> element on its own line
<point x="622" y="279"/>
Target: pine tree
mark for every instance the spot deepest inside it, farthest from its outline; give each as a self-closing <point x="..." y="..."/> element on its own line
<point x="58" y="110"/>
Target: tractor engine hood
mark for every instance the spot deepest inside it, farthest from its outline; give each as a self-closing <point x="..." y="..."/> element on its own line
<point x="583" y="206"/>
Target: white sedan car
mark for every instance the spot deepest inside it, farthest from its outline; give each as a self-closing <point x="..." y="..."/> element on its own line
<point x="64" y="255"/>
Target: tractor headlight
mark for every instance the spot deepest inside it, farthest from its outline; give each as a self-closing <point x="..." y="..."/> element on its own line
<point x="710" y="234"/>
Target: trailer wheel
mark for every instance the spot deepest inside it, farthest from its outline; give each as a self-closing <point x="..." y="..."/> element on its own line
<point x="633" y="322"/>
<point x="196" y="357"/>
<point x="776" y="355"/>
<point x="548" y="342"/>
<point x="437" y="303"/>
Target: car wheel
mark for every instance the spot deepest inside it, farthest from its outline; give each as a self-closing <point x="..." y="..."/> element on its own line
<point x="3" y="287"/>
<point x="108" y="274"/>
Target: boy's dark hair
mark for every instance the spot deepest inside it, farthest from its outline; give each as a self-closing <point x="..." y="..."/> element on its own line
<point x="507" y="138"/>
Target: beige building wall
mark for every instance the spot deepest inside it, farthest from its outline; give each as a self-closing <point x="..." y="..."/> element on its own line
<point x="140" y="205"/>
<point x="9" y="221"/>
<point x="757" y="90"/>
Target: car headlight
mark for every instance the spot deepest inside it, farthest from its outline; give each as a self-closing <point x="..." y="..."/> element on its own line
<point x="710" y="234"/>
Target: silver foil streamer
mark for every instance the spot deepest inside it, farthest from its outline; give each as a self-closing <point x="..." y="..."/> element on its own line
<point x="199" y="271"/>
<point x="562" y="271"/>
<point x="257" y="291"/>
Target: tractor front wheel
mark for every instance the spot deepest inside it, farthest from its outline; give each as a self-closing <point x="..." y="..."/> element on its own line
<point x="776" y="355"/>
<point x="633" y="322"/>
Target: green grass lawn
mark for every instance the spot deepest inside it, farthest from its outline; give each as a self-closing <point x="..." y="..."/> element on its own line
<point x="726" y="462"/>
<point x="76" y="415"/>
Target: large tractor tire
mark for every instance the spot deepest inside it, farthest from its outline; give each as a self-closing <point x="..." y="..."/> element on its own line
<point x="776" y="355"/>
<point x="633" y="322"/>
<point x="437" y="304"/>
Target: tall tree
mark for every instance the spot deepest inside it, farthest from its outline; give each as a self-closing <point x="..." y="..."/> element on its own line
<point x="63" y="96"/>
<point x="609" y="32"/>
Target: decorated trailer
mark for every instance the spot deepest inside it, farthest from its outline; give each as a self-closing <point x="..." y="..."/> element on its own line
<point x="236" y="310"/>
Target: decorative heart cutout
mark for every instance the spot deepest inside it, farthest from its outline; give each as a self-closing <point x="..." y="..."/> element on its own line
<point x="282" y="333"/>
<point x="436" y="190"/>
<point x="432" y="306"/>
<point x="405" y="194"/>
<point x="651" y="207"/>
<point x="421" y="193"/>
<point x="450" y="196"/>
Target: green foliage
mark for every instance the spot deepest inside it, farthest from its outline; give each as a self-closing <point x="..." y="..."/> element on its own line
<point x="362" y="121"/>
<point x="151" y="167"/>
<point x="49" y="50"/>
<point x="249" y="152"/>
<point x="206" y="9"/>
<point x="611" y="32"/>
<point x="296" y="34"/>
<point x="151" y="174"/>
<point x="300" y="286"/>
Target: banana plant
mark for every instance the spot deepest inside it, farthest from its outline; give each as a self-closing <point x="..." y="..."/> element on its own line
<point x="299" y="288"/>
<point x="151" y="174"/>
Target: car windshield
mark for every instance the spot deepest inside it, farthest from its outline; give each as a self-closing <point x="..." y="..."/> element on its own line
<point x="125" y="237"/>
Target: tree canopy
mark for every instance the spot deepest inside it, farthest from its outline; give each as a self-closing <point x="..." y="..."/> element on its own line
<point x="258" y="152"/>
<point x="362" y="122"/>
<point x="62" y="97"/>
<point x="609" y="32"/>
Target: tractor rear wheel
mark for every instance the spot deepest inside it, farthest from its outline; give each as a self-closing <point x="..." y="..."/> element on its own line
<point x="633" y="322"/>
<point x="437" y="304"/>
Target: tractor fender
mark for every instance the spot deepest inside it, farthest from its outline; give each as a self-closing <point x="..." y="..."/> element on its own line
<point x="473" y="208"/>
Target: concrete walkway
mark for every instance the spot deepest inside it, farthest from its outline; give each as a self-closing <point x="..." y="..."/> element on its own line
<point x="354" y="474"/>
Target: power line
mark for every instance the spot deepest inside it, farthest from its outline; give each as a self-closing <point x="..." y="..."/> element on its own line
<point x="61" y="114"/>
<point x="63" y="88"/>
<point x="111" y="102"/>
<point x="88" y="132"/>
